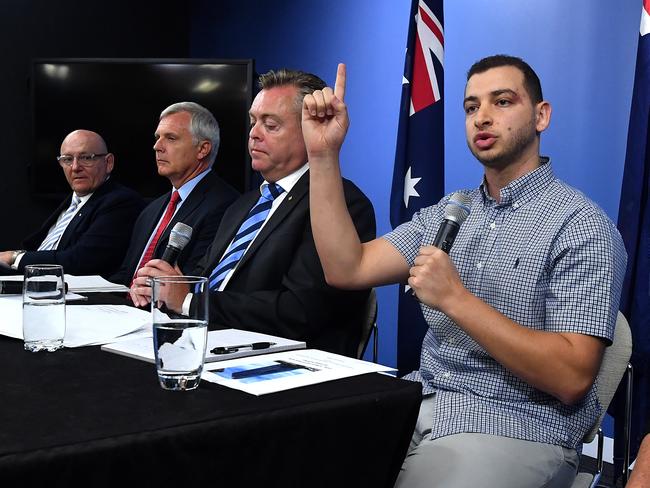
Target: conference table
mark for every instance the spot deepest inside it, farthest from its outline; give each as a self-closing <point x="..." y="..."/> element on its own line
<point x="85" y="417"/>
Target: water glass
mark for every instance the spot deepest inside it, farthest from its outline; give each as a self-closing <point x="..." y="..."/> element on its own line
<point x="43" y="307"/>
<point x="179" y="340"/>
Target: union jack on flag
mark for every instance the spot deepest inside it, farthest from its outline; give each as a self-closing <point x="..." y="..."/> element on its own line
<point x="418" y="177"/>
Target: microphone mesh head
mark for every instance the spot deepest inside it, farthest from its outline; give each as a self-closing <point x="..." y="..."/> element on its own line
<point x="180" y="235"/>
<point x="458" y="207"/>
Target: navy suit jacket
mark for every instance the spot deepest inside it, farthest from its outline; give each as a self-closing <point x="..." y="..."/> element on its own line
<point x="202" y="210"/>
<point x="97" y="236"/>
<point x="279" y="287"/>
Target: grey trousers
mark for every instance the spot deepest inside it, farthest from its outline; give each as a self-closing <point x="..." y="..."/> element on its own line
<point x="482" y="460"/>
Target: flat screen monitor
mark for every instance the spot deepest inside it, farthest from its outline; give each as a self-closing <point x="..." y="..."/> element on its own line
<point x="121" y="99"/>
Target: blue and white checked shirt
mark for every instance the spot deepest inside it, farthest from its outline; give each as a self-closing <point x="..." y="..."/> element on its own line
<point x="546" y="257"/>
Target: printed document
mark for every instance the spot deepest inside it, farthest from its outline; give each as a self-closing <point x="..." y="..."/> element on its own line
<point x="286" y="370"/>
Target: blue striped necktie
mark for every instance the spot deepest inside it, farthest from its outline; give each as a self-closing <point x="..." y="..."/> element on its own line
<point x="51" y="241"/>
<point x="245" y="235"/>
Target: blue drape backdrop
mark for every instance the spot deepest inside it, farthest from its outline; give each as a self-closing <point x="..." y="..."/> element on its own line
<point x="584" y="52"/>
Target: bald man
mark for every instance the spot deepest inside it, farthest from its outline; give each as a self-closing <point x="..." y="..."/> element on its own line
<point x="89" y="233"/>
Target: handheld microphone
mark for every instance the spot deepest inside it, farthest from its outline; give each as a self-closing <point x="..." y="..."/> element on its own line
<point x="456" y="212"/>
<point x="179" y="236"/>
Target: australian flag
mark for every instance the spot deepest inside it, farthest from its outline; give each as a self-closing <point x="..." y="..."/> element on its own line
<point x="634" y="224"/>
<point x="418" y="177"/>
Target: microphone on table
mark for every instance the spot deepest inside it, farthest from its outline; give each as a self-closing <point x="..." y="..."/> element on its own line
<point x="179" y="236"/>
<point x="456" y="211"/>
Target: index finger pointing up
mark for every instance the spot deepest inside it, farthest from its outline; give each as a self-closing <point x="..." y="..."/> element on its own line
<point x="339" y="86"/>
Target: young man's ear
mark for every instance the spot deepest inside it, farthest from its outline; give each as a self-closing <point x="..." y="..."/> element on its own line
<point x="542" y="115"/>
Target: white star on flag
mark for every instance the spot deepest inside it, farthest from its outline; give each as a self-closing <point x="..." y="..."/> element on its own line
<point x="409" y="187"/>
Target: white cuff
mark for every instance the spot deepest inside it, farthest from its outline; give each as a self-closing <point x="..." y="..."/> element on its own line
<point x="16" y="262"/>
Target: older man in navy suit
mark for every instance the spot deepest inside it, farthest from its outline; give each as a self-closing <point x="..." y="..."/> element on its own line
<point x="89" y="232"/>
<point x="187" y="141"/>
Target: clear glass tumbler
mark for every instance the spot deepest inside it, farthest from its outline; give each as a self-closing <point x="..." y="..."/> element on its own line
<point x="179" y="340"/>
<point x="43" y="307"/>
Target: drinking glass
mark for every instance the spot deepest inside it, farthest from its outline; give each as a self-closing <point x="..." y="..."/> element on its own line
<point x="179" y="340"/>
<point x="43" y="307"/>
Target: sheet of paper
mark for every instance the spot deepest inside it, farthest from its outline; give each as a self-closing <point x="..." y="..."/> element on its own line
<point x="99" y="324"/>
<point x="90" y="284"/>
<point x="11" y="316"/>
<point x="74" y="297"/>
<point x="85" y="324"/>
<point x="81" y="284"/>
<point x="260" y="375"/>
<point x="13" y="278"/>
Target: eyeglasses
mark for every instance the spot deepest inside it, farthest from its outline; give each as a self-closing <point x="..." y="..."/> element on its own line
<point x="85" y="160"/>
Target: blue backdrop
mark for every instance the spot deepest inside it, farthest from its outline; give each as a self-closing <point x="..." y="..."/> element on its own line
<point x="583" y="50"/>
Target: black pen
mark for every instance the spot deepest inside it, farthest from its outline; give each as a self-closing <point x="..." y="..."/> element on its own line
<point x="229" y="349"/>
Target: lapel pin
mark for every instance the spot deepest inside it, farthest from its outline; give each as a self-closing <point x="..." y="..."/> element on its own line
<point x="290" y="197"/>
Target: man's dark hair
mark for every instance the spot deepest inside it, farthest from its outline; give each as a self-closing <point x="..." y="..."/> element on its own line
<point x="531" y="80"/>
<point x="306" y="83"/>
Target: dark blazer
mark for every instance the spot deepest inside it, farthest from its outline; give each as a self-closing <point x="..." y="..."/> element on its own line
<point x="279" y="287"/>
<point x="96" y="238"/>
<point x="202" y="210"/>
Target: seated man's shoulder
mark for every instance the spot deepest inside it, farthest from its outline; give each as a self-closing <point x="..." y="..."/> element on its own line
<point x="578" y="206"/>
<point x="219" y="191"/>
<point x="114" y="192"/>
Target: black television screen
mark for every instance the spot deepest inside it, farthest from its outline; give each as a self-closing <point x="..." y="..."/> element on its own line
<point x="121" y="99"/>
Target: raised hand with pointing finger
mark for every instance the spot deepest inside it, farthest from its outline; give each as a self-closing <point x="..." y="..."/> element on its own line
<point x="325" y="119"/>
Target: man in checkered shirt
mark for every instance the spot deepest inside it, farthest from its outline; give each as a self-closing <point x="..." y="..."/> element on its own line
<point x="519" y="312"/>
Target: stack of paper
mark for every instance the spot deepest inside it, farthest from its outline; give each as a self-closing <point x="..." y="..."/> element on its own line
<point x="218" y="340"/>
<point x="82" y="284"/>
<point x="86" y="325"/>
<point x="92" y="284"/>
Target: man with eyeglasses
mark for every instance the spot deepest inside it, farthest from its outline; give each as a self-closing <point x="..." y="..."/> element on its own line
<point x="89" y="232"/>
